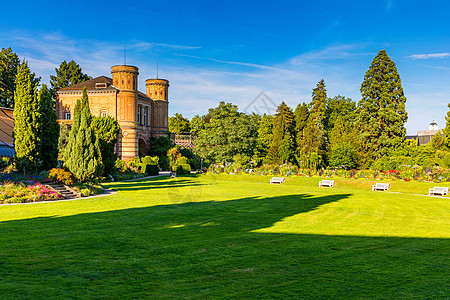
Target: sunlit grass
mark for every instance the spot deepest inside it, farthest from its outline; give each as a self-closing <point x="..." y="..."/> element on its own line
<point x="230" y="236"/>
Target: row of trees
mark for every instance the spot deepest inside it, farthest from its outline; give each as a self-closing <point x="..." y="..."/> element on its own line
<point x="335" y="132"/>
<point x="67" y="73"/>
<point x="86" y="146"/>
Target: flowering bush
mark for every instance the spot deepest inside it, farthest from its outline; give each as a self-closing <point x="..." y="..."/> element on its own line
<point x="62" y="176"/>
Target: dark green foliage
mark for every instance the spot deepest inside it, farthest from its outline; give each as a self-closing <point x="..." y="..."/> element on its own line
<point x="265" y="133"/>
<point x="159" y="147"/>
<point x="150" y="169"/>
<point x="381" y="113"/>
<point x="228" y="133"/>
<point x="314" y="138"/>
<point x="178" y="123"/>
<point x="198" y="123"/>
<point x="64" y="130"/>
<point x="301" y="114"/>
<point x="66" y="75"/>
<point x="183" y="169"/>
<point x="282" y="148"/>
<point x="26" y="120"/>
<point x="82" y="154"/>
<point x="107" y="128"/>
<point x="49" y="130"/>
<point x="342" y="154"/>
<point x="339" y="107"/>
<point x="9" y="61"/>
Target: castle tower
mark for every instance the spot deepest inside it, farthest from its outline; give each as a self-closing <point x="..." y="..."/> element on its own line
<point x="158" y="91"/>
<point x="125" y="78"/>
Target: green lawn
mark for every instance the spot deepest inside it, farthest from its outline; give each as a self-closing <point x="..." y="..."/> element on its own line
<point x="228" y="236"/>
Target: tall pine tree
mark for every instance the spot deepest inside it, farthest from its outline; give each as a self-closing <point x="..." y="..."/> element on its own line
<point x="82" y="152"/>
<point x="49" y="129"/>
<point x="26" y="120"/>
<point x="381" y="110"/>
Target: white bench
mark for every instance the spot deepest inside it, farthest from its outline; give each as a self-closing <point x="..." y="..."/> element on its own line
<point x="328" y="183"/>
<point x="438" y="190"/>
<point x="380" y="187"/>
<point x="276" y="180"/>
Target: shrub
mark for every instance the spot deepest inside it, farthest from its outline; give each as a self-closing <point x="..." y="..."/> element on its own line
<point x="150" y="169"/>
<point x="62" y="176"/>
<point x="183" y="169"/>
<point x="121" y="166"/>
<point x="149" y="160"/>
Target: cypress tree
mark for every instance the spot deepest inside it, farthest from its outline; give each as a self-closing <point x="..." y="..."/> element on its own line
<point x="381" y="110"/>
<point x="49" y="129"/>
<point x="301" y="118"/>
<point x="83" y="157"/>
<point x="26" y="120"/>
<point x="9" y="61"/>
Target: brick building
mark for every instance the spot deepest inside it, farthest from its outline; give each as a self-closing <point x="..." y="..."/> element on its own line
<point x="140" y="115"/>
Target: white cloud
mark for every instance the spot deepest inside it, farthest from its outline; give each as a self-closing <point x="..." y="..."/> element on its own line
<point x="430" y="55"/>
<point x="194" y="88"/>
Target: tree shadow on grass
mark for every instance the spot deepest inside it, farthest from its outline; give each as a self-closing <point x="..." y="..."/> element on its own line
<point x="152" y="183"/>
<point x="208" y="250"/>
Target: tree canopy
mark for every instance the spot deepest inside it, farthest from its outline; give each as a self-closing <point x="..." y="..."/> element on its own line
<point x="178" y="123"/>
<point x="66" y="75"/>
<point x="381" y="113"/>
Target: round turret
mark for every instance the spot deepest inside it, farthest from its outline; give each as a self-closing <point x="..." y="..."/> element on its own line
<point x="433" y="126"/>
<point x="157" y="89"/>
<point x="125" y="77"/>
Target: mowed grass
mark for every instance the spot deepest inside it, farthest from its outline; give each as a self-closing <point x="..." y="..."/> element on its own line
<point x="228" y="236"/>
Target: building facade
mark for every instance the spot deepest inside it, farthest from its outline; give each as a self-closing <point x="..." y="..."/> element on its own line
<point x="140" y="115"/>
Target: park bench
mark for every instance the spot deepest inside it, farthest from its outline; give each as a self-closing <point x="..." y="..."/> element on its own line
<point x="380" y="187"/>
<point x="438" y="190"/>
<point x="328" y="183"/>
<point x="276" y="180"/>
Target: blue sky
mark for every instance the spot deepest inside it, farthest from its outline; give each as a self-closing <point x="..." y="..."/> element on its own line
<point x="232" y="51"/>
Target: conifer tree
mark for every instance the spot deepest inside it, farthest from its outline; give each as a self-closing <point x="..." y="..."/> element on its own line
<point x="49" y="129"/>
<point x="67" y="74"/>
<point x="82" y="155"/>
<point x="282" y="147"/>
<point x="301" y="114"/>
<point x="314" y="139"/>
<point x="381" y="110"/>
<point x="26" y="120"/>
<point x="9" y="61"/>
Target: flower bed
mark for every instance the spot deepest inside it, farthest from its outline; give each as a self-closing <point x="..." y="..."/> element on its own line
<point x="11" y="192"/>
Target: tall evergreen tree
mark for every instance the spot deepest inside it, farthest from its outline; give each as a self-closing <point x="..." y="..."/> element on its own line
<point x="82" y="152"/>
<point x="26" y="120"/>
<point x="49" y="129"/>
<point x="314" y="139"/>
<point x="9" y="61"/>
<point x="282" y="147"/>
<point x="381" y="113"/>
<point x="301" y="114"/>
<point x="66" y="75"/>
